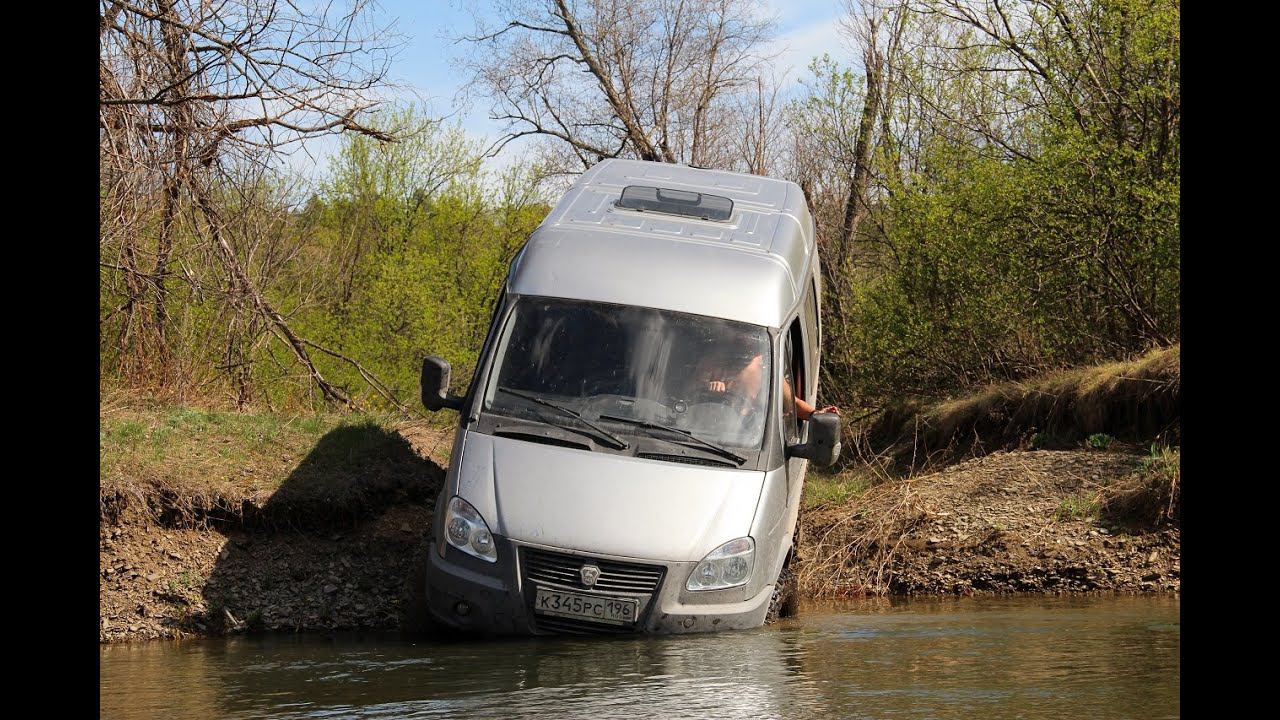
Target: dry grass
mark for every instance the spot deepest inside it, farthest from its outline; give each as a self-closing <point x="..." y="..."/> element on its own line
<point x="1144" y="499"/>
<point x="981" y="516"/>
<point x="849" y="552"/>
<point x="1150" y="497"/>
<point x="1136" y="401"/>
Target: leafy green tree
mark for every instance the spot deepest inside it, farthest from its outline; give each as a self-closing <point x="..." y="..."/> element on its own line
<point x="415" y="239"/>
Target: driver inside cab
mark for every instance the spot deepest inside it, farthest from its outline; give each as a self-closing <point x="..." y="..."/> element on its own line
<point x="748" y="380"/>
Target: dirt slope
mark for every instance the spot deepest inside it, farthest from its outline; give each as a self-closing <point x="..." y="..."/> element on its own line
<point x="1008" y="522"/>
<point x="337" y="544"/>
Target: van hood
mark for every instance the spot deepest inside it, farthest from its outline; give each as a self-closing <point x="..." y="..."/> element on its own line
<point x="602" y="503"/>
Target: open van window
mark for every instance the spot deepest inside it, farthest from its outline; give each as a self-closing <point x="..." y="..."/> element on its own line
<point x="632" y="363"/>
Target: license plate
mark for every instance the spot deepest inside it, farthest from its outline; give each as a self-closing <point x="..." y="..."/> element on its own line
<point x="615" y="611"/>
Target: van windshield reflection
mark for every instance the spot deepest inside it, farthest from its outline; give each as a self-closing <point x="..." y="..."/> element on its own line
<point x="705" y="376"/>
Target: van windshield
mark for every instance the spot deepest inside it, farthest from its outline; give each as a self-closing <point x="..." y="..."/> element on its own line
<point x="703" y="375"/>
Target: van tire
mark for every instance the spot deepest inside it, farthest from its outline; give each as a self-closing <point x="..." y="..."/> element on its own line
<point x="782" y="602"/>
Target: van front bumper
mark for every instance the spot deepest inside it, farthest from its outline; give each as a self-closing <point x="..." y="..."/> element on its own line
<point x="467" y="594"/>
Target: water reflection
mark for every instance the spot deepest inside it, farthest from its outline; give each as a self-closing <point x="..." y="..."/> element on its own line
<point x="1042" y="658"/>
<point x="1115" y="657"/>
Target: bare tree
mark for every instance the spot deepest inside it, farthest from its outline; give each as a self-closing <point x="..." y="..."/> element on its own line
<point x="190" y="93"/>
<point x="1069" y="62"/>
<point x="757" y="141"/>
<point x="838" y="126"/>
<point x="649" y="79"/>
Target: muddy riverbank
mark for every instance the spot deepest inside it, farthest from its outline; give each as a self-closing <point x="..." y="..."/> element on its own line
<point x="338" y="545"/>
<point x="172" y="582"/>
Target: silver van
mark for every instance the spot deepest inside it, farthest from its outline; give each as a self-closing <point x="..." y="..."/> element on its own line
<point x="630" y="456"/>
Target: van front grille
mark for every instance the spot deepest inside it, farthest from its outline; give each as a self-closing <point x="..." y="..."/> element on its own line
<point x="565" y="570"/>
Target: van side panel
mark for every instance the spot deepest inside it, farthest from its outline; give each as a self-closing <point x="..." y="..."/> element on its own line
<point x="768" y="527"/>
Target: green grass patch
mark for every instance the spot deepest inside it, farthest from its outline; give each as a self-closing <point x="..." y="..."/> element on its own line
<point x="193" y="446"/>
<point x="822" y="488"/>
<point x="1078" y="506"/>
<point x="183" y="465"/>
<point x="1164" y="463"/>
<point x="1099" y="441"/>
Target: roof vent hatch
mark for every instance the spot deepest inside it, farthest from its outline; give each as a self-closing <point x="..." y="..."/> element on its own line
<point x="684" y="203"/>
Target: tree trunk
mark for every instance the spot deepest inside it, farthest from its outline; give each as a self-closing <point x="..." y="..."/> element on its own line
<point x="855" y="207"/>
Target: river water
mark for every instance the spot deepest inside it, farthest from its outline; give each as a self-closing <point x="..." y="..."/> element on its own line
<point x="978" y="657"/>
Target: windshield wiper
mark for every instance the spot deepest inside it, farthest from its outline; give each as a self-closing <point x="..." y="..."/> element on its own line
<point x="615" y="442"/>
<point x="655" y="426"/>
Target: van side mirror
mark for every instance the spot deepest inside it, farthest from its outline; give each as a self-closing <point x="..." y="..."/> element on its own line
<point x="823" y="447"/>
<point x="435" y="385"/>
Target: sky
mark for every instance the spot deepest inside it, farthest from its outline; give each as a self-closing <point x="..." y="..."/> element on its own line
<point x="422" y="69"/>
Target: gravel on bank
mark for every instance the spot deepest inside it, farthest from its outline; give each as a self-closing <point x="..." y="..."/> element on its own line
<point x="173" y="582"/>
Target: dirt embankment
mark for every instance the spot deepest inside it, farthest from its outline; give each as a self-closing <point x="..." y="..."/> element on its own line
<point x="338" y="544"/>
<point x="338" y="540"/>
<point x="169" y="582"/>
<point x="1010" y="522"/>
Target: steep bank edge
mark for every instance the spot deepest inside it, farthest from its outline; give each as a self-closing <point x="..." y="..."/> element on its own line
<point x="999" y="524"/>
<point x="176" y="561"/>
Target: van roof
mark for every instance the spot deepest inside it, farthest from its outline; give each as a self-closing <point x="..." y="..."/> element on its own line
<point x="749" y="268"/>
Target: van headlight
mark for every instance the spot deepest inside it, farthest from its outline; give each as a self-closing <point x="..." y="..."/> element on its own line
<point x="467" y="531"/>
<point x="727" y="566"/>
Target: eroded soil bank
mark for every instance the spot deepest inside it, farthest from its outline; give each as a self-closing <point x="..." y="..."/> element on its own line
<point x="334" y="542"/>
<point x="169" y="582"/>
<point x="1009" y="522"/>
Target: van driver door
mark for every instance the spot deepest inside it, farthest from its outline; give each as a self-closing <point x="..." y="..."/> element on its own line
<point x="793" y="430"/>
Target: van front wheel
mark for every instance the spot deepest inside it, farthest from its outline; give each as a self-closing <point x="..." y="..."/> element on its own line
<point x="783" y="602"/>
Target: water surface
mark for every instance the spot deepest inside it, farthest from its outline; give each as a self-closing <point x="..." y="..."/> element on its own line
<point x="984" y="657"/>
